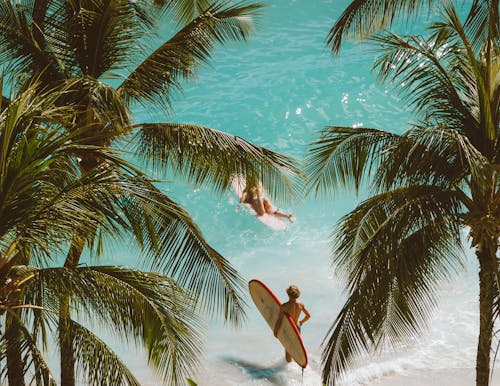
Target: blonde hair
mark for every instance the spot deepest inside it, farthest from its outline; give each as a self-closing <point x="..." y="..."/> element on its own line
<point x="293" y="291"/>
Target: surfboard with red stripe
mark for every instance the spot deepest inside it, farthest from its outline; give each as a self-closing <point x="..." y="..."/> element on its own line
<point x="269" y="306"/>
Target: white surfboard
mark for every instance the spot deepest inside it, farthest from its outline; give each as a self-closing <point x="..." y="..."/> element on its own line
<point x="238" y="184"/>
<point x="269" y="306"/>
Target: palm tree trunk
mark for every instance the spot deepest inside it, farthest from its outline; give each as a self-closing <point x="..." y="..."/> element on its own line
<point x="85" y="119"/>
<point x="66" y="345"/>
<point x="15" y="364"/>
<point x="488" y="267"/>
<point x="65" y="334"/>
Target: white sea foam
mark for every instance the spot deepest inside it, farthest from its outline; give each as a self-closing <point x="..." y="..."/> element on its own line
<point x="253" y="91"/>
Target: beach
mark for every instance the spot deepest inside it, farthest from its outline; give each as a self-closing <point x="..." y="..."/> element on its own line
<point x="279" y="98"/>
<point x="444" y="354"/>
<point x="455" y="377"/>
<point x="173" y="172"/>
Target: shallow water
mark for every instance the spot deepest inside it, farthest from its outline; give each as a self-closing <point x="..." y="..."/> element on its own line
<point x="276" y="91"/>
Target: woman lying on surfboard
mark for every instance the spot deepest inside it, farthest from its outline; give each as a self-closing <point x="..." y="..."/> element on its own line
<point x="254" y="195"/>
<point x="292" y="308"/>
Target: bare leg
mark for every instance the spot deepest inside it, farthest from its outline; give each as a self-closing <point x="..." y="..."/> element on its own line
<point x="258" y="206"/>
<point x="269" y="210"/>
<point x="288" y="216"/>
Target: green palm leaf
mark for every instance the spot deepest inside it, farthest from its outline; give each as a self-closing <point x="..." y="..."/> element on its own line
<point x="482" y="75"/>
<point x="41" y="189"/>
<point x="204" y="155"/>
<point x="95" y="359"/>
<point x="174" y="245"/>
<point x="393" y="215"/>
<point x="103" y="32"/>
<point x="433" y="155"/>
<point x="32" y="356"/>
<point x="343" y="156"/>
<point x="158" y="75"/>
<point x="146" y="306"/>
<point x="362" y="18"/>
<point x="185" y="10"/>
<point x="40" y="311"/>
<point x="51" y="210"/>
<point x="17" y="47"/>
<point x="394" y="249"/>
<point x="481" y="14"/>
<point x="430" y="87"/>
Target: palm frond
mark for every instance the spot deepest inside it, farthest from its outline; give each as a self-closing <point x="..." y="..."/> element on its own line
<point x="55" y="31"/>
<point x="432" y="88"/>
<point x="394" y="216"/>
<point x="96" y="359"/>
<point x="394" y="249"/>
<point x="482" y="23"/>
<point x="437" y="156"/>
<point x="158" y="75"/>
<point x="104" y="32"/>
<point x="109" y="112"/>
<point x="207" y="156"/>
<point x="20" y="47"/>
<point x="144" y="306"/>
<point x="58" y="208"/>
<point x="44" y="197"/>
<point x="185" y="11"/>
<point x="482" y="75"/>
<point x="362" y="18"/>
<point x="32" y="356"/>
<point x="40" y="311"/>
<point x="345" y="156"/>
<point x="28" y="155"/>
<point x="174" y="245"/>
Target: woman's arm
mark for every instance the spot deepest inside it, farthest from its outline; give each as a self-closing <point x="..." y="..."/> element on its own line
<point x="306" y="317"/>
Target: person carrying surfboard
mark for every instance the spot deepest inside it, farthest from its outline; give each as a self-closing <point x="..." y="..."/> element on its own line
<point x="292" y="308"/>
<point x="254" y="195"/>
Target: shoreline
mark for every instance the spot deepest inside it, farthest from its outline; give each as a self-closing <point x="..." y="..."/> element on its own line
<point x="428" y="377"/>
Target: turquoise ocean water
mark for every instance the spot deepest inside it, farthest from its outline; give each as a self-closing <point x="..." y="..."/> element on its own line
<point x="277" y="91"/>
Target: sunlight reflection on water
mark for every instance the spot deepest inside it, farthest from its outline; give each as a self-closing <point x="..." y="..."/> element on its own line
<point x="277" y="91"/>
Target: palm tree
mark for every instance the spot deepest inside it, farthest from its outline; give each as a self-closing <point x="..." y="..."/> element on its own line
<point x="44" y="199"/>
<point x="438" y="177"/>
<point x="88" y="42"/>
<point x="362" y="18"/>
<point x="91" y="42"/>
